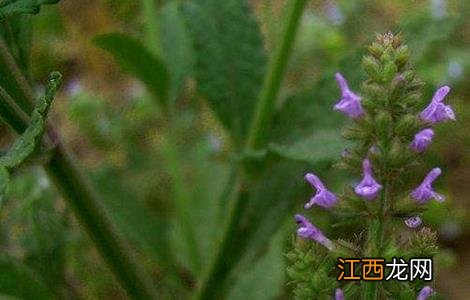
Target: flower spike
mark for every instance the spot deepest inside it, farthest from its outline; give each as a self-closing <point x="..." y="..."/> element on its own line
<point x="308" y="231"/>
<point x="323" y="197"/>
<point x="437" y="111"/>
<point x="368" y="188"/>
<point x="350" y="102"/>
<point x="424" y="192"/>
<point x="422" y="140"/>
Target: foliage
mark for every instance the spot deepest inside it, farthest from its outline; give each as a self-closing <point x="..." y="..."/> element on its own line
<point x="163" y="143"/>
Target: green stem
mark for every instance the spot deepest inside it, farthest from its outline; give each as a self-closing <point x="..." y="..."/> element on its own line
<point x="376" y="235"/>
<point x="85" y="204"/>
<point x="272" y="83"/>
<point x="214" y="282"/>
<point x="94" y="219"/>
<point x="181" y="198"/>
<point x="15" y="83"/>
<point x="149" y="8"/>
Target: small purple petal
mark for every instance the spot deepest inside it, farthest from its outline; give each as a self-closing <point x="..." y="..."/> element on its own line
<point x="350" y="103"/>
<point x="413" y="222"/>
<point x="437" y="111"/>
<point x="306" y="230"/>
<point x="424" y="192"/>
<point x="368" y="188"/>
<point x="323" y="197"/>
<point x="422" y="140"/>
<point x="339" y="295"/>
<point x="425" y="293"/>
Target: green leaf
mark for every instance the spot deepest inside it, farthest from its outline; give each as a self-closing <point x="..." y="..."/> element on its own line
<point x="29" y="141"/>
<point x="133" y="218"/>
<point x="176" y="48"/>
<point x="264" y="280"/>
<point x="10" y="8"/>
<point x="19" y="281"/>
<point x="323" y="145"/>
<point x="138" y="61"/>
<point x="230" y="59"/>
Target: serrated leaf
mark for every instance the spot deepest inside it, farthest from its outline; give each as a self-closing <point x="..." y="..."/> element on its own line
<point x="28" y="142"/>
<point x="323" y="145"/>
<point x="10" y="8"/>
<point x="137" y="60"/>
<point x="230" y="59"/>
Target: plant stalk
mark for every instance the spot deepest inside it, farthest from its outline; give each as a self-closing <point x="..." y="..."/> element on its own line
<point x="219" y="270"/>
<point x="275" y="74"/>
<point x="81" y="197"/>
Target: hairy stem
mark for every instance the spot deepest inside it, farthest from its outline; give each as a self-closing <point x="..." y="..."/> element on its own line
<point x="83" y="200"/>
<point x="181" y="198"/>
<point x="272" y="82"/>
<point x="94" y="219"/>
<point x="219" y="269"/>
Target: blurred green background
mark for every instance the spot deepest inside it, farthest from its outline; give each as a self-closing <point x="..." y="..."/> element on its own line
<point x="143" y="167"/>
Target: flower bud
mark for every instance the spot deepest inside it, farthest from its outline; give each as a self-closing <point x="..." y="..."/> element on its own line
<point x="383" y="125"/>
<point x="371" y="67"/>
<point x="402" y="55"/>
<point x="397" y="153"/>
<point x="376" y="49"/>
<point x="407" y="125"/>
<point x="389" y="72"/>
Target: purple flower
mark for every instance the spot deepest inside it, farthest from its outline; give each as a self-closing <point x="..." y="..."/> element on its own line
<point x="425" y="293"/>
<point x="323" y="197"/>
<point x="437" y="111"/>
<point x="424" y="192"/>
<point x="308" y="231"/>
<point x="422" y="140"/>
<point x="339" y="295"/>
<point x="413" y="222"/>
<point x="368" y="188"/>
<point x="350" y="103"/>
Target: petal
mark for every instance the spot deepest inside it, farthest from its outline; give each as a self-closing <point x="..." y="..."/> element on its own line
<point x="343" y="84"/>
<point x="432" y="175"/>
<point x="339" y="295"/>
<point x="449" y="112"/>
<point x="425" y="293"/>
<point x="301" y="220"/>
<point x="428" y="114"/>
<point x="314" y="181"/>
<point x="440" y="94"/>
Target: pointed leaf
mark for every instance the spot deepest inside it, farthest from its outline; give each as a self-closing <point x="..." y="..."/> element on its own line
<point x="138" y="61"/>
<point x="230" y="59"/>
